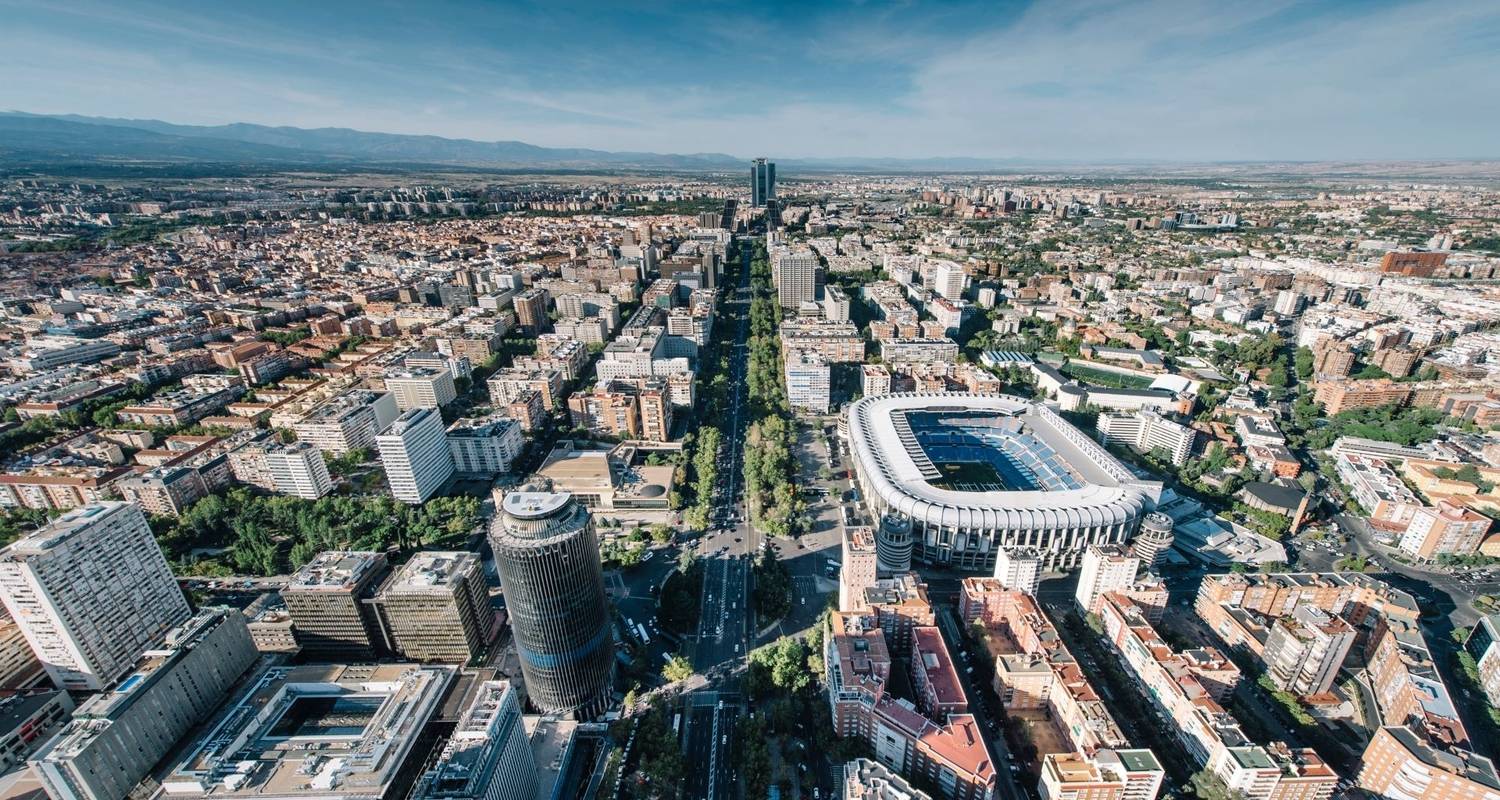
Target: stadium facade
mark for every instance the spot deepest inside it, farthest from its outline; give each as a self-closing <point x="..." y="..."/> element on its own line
<point x="952" y="478"/>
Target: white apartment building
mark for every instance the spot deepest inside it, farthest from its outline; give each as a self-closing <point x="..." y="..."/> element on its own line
<point x="415" y="454"/>
<point x="421" y="388"/>
<point x="348" y="422"/>
<point x="1145" y="431"/>
<point x="808" y="381"/>
<point x="1105" y="568"/>
<point x="298" y="469"/>
<point x="1019" y="568"/>
<point x="835" y="304"/>
<point x="922" y="350"/>
<point x="875" y="380"/>
<point x="91" y="591"/>
<point x="46" y="352"/>
<point x="1256" y="429"/>
<point x="589" y="330"/>
<point x="485" y="447"/>
<point x="948" y="280"/>
<point x="641" y="356"/>
<point x="948" y="313"/>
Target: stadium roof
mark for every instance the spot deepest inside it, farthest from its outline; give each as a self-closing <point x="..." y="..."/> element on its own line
<point x="897" y="468"/>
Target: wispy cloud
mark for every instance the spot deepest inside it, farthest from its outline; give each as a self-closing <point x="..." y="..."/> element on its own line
<point x="1083" y="79"/>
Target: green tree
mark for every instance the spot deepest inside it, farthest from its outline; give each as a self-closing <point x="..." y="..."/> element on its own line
<point x="773" y="587"/>
<point x="677" y="668"/>
<point x="1303" y="362"/>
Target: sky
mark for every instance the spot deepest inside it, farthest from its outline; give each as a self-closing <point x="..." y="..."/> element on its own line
<point x="1084" y="80"/>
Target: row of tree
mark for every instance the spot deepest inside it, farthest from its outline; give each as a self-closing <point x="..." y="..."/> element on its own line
<point x="770" y="468"/>
<point x="772" y="597"/>
<point x="705" y="464"/>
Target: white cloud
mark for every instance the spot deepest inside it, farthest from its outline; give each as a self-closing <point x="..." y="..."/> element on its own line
<point x="1098" y="79"/>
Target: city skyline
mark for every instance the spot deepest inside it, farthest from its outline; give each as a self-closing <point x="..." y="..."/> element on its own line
<point x="1064" y="81"/>
<point x="1085" y="400"/>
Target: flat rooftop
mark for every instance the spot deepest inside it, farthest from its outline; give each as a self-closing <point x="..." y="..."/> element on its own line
<point x="485" y="728"/>
<point x="534" y="504"/>
<point x="63" y="528"/>
<point x="432" y="572"/>
<point x="317" y="731"/>
<point x="335" y="570"/>
<point x="932" y="655"/>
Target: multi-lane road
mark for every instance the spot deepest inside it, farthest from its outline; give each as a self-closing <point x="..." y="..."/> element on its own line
<point x="724" y="628"/>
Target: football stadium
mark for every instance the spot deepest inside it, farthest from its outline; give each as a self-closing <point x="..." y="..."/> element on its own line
<point x="954" y="477"/>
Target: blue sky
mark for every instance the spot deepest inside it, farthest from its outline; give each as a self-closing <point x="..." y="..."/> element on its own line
<point x="1057" y="79"/>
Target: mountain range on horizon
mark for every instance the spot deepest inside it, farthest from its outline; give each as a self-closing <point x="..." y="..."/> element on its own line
<point x="39" y="141"/>
<point x="41" y="138"/>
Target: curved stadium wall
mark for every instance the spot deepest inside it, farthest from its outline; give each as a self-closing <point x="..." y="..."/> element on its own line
<point x="955" y="477"/>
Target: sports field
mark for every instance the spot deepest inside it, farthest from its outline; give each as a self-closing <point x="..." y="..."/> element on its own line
<point x="1099" y="377"/>
<point x="969" y="476"/>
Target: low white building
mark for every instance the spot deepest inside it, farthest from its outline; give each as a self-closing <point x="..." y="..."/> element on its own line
<point x="1019" y="568"/>
<point x="1145" y="432"/>
<point x="485" y="447"/>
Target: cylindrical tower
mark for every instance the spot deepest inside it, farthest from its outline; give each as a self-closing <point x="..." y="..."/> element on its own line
<point x="1153" y="540"/>
<point x="893" y="544"/>
<point x="548" y="559"/>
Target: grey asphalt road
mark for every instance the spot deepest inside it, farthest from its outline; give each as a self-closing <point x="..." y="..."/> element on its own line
<point x="724" y="631"/>
<point x="634" y="592"/>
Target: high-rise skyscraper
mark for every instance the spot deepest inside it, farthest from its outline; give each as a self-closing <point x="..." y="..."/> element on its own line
<point x="1105" y="568"/>
<point x="948" y="280"/>
<point x="548" y="559"/>
<point x="1305" y="649"/>
<point x="762" y="182"/>
<point x="858" y="569"/>
<point x="795" y="275"/>
<point x="531" y="311"/>
<point x="91" y="591"/>
<point x="414" y="452"/>
<point x="1019" y="568"/>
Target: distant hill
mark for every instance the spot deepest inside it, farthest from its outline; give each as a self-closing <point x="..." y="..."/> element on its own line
<point x="30" y="136"/>
<point x="77" y="139"/>
<point x="28" y="140"/>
